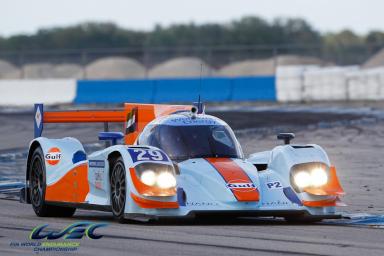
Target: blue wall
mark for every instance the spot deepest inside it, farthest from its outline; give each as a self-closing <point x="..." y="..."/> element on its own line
<point x="176" y="90"/>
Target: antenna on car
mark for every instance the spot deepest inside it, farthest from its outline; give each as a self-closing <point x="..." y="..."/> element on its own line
<point x="201" y="79"/>
<point x="200" y="108"/>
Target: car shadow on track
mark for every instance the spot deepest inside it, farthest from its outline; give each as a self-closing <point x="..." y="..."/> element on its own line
<point x="207" y="221"/>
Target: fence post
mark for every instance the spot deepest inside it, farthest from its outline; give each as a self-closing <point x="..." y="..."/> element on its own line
<point x="21" y="63"/>
<point x="146" y="61"/>
<point x="84" y="60"/>
<point x="209" y="60"/>
<point x="275" y="52"/>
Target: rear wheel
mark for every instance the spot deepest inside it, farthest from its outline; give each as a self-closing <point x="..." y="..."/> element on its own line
<point x="37" y="189"/>
<point x="118" y="189"/>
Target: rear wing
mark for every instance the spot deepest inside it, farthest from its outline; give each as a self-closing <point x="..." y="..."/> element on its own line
<point x="134" y="117"/>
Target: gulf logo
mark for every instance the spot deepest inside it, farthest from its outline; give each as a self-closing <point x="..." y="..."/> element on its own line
<point x="53" y="156"/>
<point x="241" y="186"/>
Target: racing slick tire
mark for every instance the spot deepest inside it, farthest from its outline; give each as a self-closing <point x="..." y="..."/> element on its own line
<point x="37" y="179"/>
<point x="118" y="189"/>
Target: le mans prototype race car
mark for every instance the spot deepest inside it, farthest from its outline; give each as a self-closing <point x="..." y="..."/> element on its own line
<point x="175" y="161"/>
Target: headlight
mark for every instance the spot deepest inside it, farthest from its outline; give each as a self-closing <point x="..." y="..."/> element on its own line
<point x="309" y="175"/>
<point x="160" y="176"/>
<point x="166" y="180"/>
<point x="319" y="177"/>
<point x="148" y="177"/>
<point x="302" y="179"/>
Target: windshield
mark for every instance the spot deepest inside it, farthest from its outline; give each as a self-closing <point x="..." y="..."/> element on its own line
<point x="185" y="142"/>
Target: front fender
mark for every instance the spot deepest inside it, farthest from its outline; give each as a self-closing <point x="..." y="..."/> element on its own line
<point x="135" y="202"/>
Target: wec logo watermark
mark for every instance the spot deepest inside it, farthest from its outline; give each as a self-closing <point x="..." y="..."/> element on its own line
<point x="43" y="237"/>
<point x="74" y="231"/>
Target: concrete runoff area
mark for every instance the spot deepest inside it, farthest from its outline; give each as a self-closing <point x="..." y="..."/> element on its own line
<point x="354" y="144"/>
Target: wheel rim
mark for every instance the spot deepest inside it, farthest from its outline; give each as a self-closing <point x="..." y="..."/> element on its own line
<point x="118" y="189"/>
<point x="37" y="183"/>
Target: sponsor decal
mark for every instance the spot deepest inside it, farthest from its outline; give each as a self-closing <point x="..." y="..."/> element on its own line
<point x="53" y="156"/>
<point x="38" y="117"/>
<point x="96" y="163"/>
<point x="99" y="166"/>
<point x="274" y="185"/>
<point x="202" y="204"/>
<point x="99" y="174"/>
<point x="148" y="155"/>
<point x="275" y="203"/>
<point x="43" y="239"/>
<point x="196" y="121"/>
<point x="131" y="125"/>
<point x="241" y="185"/>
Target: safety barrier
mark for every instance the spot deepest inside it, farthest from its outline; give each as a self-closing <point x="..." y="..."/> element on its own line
<point x="291" y="84"/>
<point x="50" y="92"/>
<point x="311" y="83"/>
<point x="177" y="90"/>
<point x="28" y="92"/>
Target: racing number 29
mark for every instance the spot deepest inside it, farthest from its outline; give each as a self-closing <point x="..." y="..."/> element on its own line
<point x="148" y="155"/>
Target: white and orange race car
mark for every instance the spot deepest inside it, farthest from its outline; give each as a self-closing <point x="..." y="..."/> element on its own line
<point x="175" y="161"/>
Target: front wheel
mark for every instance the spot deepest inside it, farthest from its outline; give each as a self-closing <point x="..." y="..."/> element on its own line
<point x="118" y="189"/>
<point x="37" y="189"/>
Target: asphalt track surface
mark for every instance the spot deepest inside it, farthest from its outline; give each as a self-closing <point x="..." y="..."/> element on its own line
<point x="246" y="236"/>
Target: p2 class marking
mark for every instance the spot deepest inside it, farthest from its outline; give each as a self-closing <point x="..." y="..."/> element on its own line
<point x="274" y="185"/>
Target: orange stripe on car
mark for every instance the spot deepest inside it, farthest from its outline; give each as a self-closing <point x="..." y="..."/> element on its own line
<point x="236" y="179"/>
<point x="149" y="190"/>
<point x="332" y="188"/>
<point x="84" y="116"/>
<point x="147" y="203"/>
<point x="334" y="201"/>
<point x="73" y="187"/>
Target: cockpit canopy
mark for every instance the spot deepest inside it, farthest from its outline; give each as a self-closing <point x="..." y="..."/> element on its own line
<point x="183" y="137"/>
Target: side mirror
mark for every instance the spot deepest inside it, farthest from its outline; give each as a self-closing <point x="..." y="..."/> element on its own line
<point x="111" y="136"/>
<point x="287" y="137"/>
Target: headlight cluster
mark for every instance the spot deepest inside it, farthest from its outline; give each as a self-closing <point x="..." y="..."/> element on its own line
<point x="309" y="175"/>
<point x="159" y="175"/>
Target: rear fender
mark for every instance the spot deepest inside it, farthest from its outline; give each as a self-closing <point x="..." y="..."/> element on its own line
<point x="60" y="156"/>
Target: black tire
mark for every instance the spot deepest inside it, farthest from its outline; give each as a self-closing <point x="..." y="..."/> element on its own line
<point x="118" y="189"/>
<point x="37" y="183"/>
